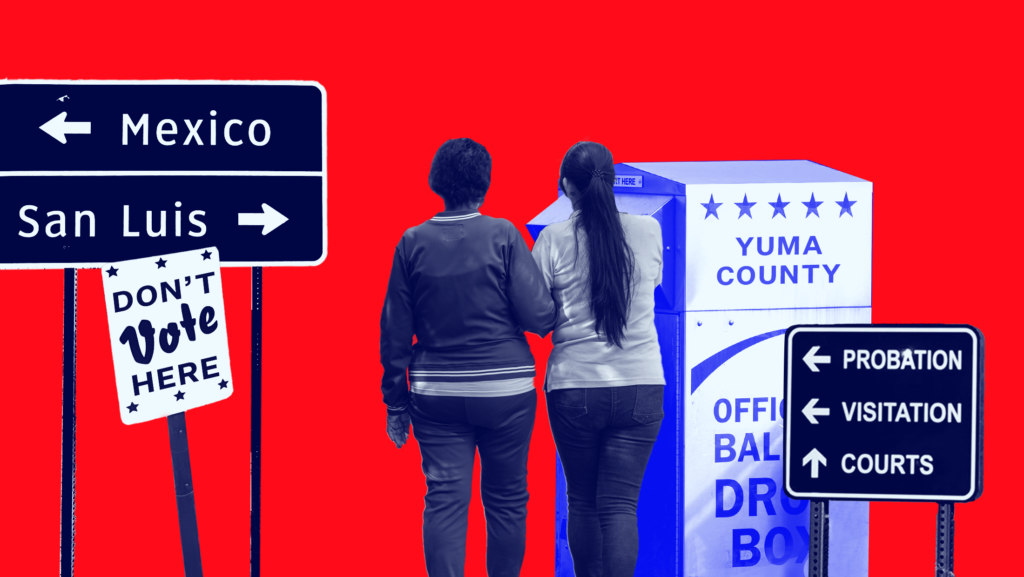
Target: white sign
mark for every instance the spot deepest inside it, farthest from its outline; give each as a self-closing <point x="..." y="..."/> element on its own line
<point x="739" y="521"/>
<point x="760" y="258"/>
<point x="167" y="333"/>
<point x="775" y="246"/>
<point x="630" y="180"/>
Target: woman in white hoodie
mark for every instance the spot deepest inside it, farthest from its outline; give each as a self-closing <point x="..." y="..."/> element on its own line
<point x="605" y="384"/>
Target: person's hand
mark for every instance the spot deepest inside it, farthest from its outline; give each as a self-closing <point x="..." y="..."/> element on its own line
<point x="398" y="428"/>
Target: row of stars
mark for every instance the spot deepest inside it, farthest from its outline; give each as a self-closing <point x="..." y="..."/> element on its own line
<point x="779" y="207"/>
<point x="179" y="396"/>
<point x="160" y="263"/>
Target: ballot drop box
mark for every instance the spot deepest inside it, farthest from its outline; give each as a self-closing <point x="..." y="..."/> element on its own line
<point x="750" y="248"/>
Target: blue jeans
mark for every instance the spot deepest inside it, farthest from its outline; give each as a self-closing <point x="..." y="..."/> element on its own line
<point x="604" y="438"/>
<point x="449" y="431"/>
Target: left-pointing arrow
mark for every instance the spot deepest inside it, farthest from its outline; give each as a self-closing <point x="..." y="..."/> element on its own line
<point x="57" y="127"/>
<point x="811" y="358"/>
<point x="811" y="411"/>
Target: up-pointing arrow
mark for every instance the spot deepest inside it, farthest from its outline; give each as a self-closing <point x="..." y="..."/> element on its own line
<point x="269" y="219"/>
<point x="811" y="359"/>
<point x="57" y="127"/>
<point x="815" y="458"/>
<point x="810" y="411"/>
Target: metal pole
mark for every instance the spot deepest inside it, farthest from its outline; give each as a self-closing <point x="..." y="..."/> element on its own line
<point x="185" y="492"/>
<point x="256" y="420"/>
<point x="67" y="428"/>
<point x="944" y="541"/>
<point x="818" y="554"/>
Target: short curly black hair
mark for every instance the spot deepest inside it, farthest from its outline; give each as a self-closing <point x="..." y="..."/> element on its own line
<point x="461" y="171"/>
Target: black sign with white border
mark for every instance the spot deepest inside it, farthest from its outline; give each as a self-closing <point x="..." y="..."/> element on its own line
<point x="884" y="412"/>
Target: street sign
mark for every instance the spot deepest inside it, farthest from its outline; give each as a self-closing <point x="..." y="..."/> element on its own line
<point x="93" y="172"/>
<point x="167" y="334"/>
<point x="884" y="412"/>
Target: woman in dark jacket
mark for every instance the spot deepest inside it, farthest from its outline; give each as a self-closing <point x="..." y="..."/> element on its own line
<point x="466" y="286"/>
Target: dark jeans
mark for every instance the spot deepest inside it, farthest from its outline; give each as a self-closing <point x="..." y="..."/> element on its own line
<point x="449" y="431"/>
<point x="604" y="438"/>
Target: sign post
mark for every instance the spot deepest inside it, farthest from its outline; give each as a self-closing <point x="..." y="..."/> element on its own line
<point x="885" y="413"/>
<point x="68" y="426"/>
<point x="817" y="564"/>
<point x="188" y="526"/>
<point x="256" y="427"/>
<point x="170" y="349"/>
<point x="95" y="172"/>
<point x="944" y="541"/>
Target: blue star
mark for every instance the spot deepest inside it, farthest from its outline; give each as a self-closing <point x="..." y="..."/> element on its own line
<point x="745" y="207"/>
<point x="180" y="395"/>
<point x="111" y="271"/>
<point x="161" y="263"/>
<point x="812" y="207"/>
<point x="132" y="408"/>
<point x="206" y="255"/>
<point x="779" y="206"/>
<point x="223" y="384"/>
<point x="846" y="205"/>
<point x="712" y="207"/>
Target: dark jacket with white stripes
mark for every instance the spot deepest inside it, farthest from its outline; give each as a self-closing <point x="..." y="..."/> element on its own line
<point x="466" y="286"/>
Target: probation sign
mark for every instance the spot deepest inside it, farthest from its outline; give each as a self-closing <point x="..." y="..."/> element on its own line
<point x="876" y="412"/>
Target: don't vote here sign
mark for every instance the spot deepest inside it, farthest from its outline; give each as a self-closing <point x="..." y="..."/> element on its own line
<point x="93" y="172"/>
<point x="167" y="333"/>
<point x="884" y="412"/>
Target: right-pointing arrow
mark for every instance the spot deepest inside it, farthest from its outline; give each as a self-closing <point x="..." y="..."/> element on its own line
<point x="810" y="411"/>
<point x="269" y="219"/>
<point x="811" y="359"/>
<point x="815" y="458"/>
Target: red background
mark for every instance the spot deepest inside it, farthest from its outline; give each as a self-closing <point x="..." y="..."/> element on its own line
<point x="924" y="102"/>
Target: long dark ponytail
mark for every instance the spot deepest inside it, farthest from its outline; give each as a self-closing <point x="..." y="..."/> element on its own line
<point x="589" y="167"/>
